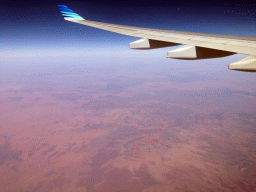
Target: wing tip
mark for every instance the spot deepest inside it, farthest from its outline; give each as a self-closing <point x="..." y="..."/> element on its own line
<point x="68" y="14"/>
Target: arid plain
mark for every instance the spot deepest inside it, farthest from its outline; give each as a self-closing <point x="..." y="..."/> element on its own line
<point x="127" y="129"/>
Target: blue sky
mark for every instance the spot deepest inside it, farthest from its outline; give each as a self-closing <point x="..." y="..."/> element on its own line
<point x="35" y="36"/>
<point x="39" y="25"/>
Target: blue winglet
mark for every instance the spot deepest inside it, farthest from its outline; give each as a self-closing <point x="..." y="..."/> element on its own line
<point x="68" y="13"/>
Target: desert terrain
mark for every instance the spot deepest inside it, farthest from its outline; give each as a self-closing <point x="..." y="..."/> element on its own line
<point x="99" y="130"/>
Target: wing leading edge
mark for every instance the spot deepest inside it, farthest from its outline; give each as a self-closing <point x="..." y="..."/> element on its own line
<point x="197" y="45"/>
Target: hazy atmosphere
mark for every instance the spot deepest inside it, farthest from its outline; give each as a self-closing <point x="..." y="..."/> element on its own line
<point x="80" y="111"/>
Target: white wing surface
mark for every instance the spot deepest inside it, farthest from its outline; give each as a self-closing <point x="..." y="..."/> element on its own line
<point x="196" y="45"/>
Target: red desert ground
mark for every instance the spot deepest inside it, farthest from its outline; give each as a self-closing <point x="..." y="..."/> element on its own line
<point x="99" y="130"/>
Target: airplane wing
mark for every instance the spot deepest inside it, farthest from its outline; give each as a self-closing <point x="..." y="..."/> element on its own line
<point x="196" y="45"/>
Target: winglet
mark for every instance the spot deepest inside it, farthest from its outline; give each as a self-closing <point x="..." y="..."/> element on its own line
<point x="69" y="14"/>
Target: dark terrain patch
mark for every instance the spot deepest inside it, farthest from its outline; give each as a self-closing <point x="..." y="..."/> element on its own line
<point x="7" y="154"/>
<point x="16" y="98"/>
<point x="50" y="149"/>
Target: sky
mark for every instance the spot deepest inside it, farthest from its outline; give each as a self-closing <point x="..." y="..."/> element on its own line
<point x="39" y="25"/>
<point x="36" y="31"/>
